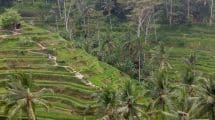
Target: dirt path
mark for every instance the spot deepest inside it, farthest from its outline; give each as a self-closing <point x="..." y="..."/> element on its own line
<point x="41" y="46"/>
<point x="53" y="58"/>
<point x="14" y="33"/>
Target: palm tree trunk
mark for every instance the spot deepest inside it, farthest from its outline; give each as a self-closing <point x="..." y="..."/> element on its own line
<point x="213" y="113"/>
<point x="163" y="109"/>
<point x="30" y="111"/>
<point x="31" y="115"/>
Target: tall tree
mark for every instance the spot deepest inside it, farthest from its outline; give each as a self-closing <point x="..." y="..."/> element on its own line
<point x="67" y="10"/>
<point x="189" y="75"/>
<point x="107" y="100"/>
<point x="130" y="108"/>
<point x="144" y="18"/>
<point x="171" y="12"/>
<point x="206" y="98"/>
<point x="21" y="99"/>
<point x="188" y="9"/>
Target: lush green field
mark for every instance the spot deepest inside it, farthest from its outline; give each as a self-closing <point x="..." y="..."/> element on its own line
<point x="184" y="40"/>
<point x="88" y="55"/>
<point x="29" y="51"/>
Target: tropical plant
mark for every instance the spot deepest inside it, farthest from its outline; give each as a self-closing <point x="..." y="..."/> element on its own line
<point x="160" y="57"/>
<point x="107" y="100"/>
<point x="159" y="89"/>
<point x="129" y="108"/>
<point x="189" y="73"/>
<point x="20" y="100"/>
<point x="183" y="105"/>
<point x="205" y="101"/>
<point x="10" y="19"/>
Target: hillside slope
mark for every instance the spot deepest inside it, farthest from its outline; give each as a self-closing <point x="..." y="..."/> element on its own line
<point x="55" y="63"/>
<point x="107" y="42"/>
<point x="184" y="40"/>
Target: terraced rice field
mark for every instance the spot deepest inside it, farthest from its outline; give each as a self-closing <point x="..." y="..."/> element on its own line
<point x="184" y="40"/>
<point x="75" y="76"/>
<point x="54" y="63"/>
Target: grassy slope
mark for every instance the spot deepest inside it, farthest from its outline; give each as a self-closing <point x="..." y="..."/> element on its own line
<point x="180" y="39"/>
<point x="22" y="52"/>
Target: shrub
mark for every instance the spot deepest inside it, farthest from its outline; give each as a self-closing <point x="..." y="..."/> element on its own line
<point x="10" y="19"/>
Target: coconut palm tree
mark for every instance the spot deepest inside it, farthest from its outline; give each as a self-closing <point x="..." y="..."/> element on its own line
<point x="20" y="100"/>
<point x="189" y="75"/>
<point x="183" y="106"/>
<point x="130" y="109"/>
<point x="159" y="89"/>
<point x="160" y="57"/>
<point x="107" y="100"/>
<point x="205" y="102"/>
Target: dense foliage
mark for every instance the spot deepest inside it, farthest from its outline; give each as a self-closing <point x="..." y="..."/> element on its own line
<point x="10" y="19"/>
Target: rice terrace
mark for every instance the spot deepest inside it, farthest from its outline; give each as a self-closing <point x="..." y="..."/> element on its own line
<point x="107" y="60"/>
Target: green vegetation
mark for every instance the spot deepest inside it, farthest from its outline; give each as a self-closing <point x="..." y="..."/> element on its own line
<point x="163" y="49"/>
<point x="10" y="19"/>
<point x="29" y="53"/>
<point x="20" y="99"/>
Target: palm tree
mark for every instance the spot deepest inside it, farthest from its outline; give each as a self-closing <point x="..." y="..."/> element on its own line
<point x="189" y="75"/>
<point x="130" y="108"/>
<point x="136" y="51"/>
<point x="131" y="48"/>
<point x="20" y="98"/>
<point x="160" y="57"/>
<point x="183" y="107"/>
<point x="107" y="99"/>
<point x="159" y="89"/>
<point x="205" y="102"/>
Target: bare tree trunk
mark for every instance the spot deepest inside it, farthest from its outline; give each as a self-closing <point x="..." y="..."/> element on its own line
<point x="147" y="28"/>
<point x="139" y="65"/>
<point x="211" y="17"/>
<point x="70" y="34"/>
<point x="166" y="7"/>
<point x="188" y="9"/>
<point x="59" y="8"/>
<point x="110" y="19"/>
<point x="56" y="20"/>
<point x="156" y="38"/>
<point x="67" y="14"/>
<point x="170" y="17"/>
<point x="98" y="38"/>
<point x="140" y="22"/>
